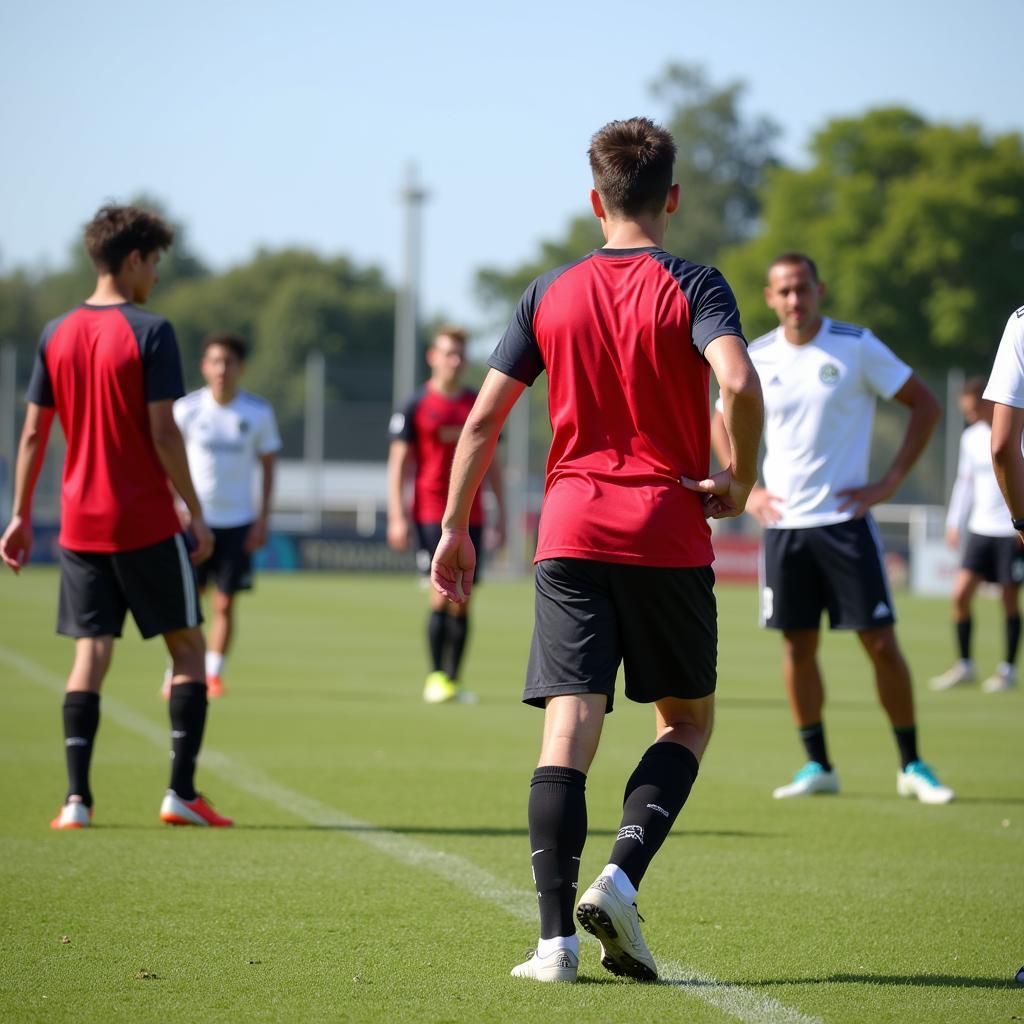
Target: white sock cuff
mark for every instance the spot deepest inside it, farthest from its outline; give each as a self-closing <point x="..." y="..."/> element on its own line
<point x="215" y="662"/>
<point x="545" y="947"/>
<point x="627" y="890"/>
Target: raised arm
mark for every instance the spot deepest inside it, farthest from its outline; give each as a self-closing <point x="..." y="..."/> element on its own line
<point x="738" y="434"/>
<point x="455" y="559"/>
<point x="16" y="543"/>
<point x="170" y="450"/>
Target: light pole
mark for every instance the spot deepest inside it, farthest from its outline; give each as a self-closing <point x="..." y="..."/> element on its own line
<point x="407" y="294"/>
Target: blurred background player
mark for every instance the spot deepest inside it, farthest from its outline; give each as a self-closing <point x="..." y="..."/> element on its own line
<point x="821" y="548"/>
<point x="111" y="372"/>
<point x="628" y="335"/>
<point x="993" y="552"/>
<point x="228" y="433"/>
<point x="423" y="439"/>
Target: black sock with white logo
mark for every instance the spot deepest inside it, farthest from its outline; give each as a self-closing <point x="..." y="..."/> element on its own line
<point x="654" y="796"/>
<point x="456" y="634"/>
<point x="81" y="713"/>
<point x="906" y="741"/>
<point x="436" y="623"/>
<point x="188" y="720"/>
<point x="558" y="830"/>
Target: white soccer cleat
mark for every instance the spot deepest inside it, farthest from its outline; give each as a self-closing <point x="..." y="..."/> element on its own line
<point x="616" y="924"/>
<point x="1001" y="680"/>
<point x="74" y="814"/>
<point x="918" y="779"/>
<point x="960" y="674"/>
<point x="811" y="779"/>
<point x="559" y="965"/>
<point x="176" y="811"/>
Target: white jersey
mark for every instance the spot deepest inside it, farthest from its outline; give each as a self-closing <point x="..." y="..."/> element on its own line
<point x="819" y="401"/>
<point x="1006" y="383"/>
<point x="224" y="443"/>
<point x="976" y="499"/>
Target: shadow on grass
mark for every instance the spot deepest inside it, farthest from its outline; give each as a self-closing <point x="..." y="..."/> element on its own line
<point x="907" y="980"/>
<point x="439" y="830"/>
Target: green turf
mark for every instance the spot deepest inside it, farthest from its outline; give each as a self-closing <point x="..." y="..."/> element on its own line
<point x="857" y="908"/>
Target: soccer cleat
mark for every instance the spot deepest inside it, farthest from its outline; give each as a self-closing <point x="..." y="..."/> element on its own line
<point x="1001" y="680"/>
<point x="917" y="779"/>
<point x="616" y="924"/>
<point x="811" y="779"/>
<point x="74" y="814"/>
<point x="175" y="811"/>
<point x="960" y="674"/>
<point x="561" y="965"/>
<point x="214" y="687"/>
<point x="464" y="696"/>
<point x="438" y="689"/>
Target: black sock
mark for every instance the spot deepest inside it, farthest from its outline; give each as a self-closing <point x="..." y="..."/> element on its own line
<point x="435" y="638"/>
<point x="188" y="719"/>
<point x="813" y="739"/>
<point x="558" y="830"/>
<point x="906" y="740"/>
<point x="1012" y="638"/>
<point x="655" y="794"/>
<point x="81" y="720"/>
<point x="456" y="634"/>
<point x="963" y="637"/>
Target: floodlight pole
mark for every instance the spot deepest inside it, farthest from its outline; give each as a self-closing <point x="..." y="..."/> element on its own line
<point x="407" y="294"/>
<point x="954" y="428"/>
<point x="8" y="426"/>
<point x="313" y="440"/>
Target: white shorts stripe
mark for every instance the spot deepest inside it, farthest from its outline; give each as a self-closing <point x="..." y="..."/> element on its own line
<point x="188" y="583"/>
<point x="877" y="538"/>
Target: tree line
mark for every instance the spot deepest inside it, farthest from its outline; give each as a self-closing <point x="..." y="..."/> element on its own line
<point x="917" y="227"/>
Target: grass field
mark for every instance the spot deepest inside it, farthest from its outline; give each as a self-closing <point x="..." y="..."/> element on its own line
<point x="380" y="867"/>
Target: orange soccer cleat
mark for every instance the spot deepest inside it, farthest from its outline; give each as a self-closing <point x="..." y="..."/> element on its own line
<point x="175" y="811"/>
<point x="214" y="686"/>
<point x="74" y="814"/>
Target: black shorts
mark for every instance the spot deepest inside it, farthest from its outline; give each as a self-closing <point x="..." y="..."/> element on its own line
<point x="230" y="565"/>
<point x="839" y="567"/>
<point x="428" y="536"/>
<point x="157" y="584"/>
<point x="592" y="616"/>
<point x="995" y="559"/>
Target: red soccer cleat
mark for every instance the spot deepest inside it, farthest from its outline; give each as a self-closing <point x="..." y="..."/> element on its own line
<point x="175" y="811"/>
<point x="214" y="687"/>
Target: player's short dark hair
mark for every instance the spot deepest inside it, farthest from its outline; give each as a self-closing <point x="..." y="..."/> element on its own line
<point x="117" y="231"/>
<point x="632" y="165"/>
<point x="232" y="342"/>
<point x="974" y="386"/>
<point x="793" y="257"/>
<point x="457" y="334"/>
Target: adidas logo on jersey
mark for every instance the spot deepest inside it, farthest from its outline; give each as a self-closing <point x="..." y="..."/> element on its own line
<point x="880" y="609"/>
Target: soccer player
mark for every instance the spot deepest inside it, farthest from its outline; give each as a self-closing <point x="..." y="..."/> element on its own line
<point x="821" y="548"/>
<point x="993" y="552"/>
<point x="627" y="335"/>
<point x="423" y="439"/>
<point x="111" y="372"/>
<point x="228" y="433"/>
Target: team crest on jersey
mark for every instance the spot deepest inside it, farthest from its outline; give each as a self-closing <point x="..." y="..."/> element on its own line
<point x="829" y="375"/>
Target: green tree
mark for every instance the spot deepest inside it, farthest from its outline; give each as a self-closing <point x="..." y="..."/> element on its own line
<point x="917" y="229"/>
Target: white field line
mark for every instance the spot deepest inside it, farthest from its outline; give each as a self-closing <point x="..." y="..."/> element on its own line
<point x="741" y="1003"/>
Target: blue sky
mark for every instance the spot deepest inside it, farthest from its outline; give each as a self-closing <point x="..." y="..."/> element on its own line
<point x="276" y="124"/>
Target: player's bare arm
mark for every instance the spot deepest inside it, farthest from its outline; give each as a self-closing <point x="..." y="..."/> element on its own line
<point x="400" y="461"/>
<point x="496" y="481"/>
<point x="16" y="543"/>
<point x="455" y="559"/>
<point x="742" y="420"/>
<point x="170" y="449"/>
<point x="924" y="414"/>
<point x="257" y="535"/>
<point x="1007" y="458"/>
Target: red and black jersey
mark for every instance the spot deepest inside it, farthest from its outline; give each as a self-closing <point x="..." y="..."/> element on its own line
<point x="621" y="334"/>
<point x="431" y="423"/>
<point x="100" y="366"/>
